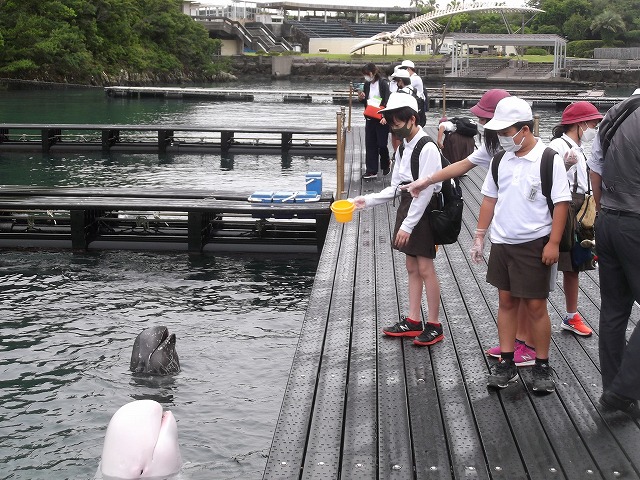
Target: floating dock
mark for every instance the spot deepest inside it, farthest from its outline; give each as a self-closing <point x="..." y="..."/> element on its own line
<point x="361" y="406"/>
<point x="165" y="138"/>
<point x="559" y="98"/>
<point x="160" y="219"/>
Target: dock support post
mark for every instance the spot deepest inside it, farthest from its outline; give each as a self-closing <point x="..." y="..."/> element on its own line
<point x="49" y="137"/>
<point x="109" y="138"/>
<point x="199" y="224"/>
<point x="165" y="138"/>
<point x="340" y="147"/>
<point x="286" y="141"/>
<point x="226" y="139"/>
<point x="322" y="226"/>
<point x="84" y="226"/>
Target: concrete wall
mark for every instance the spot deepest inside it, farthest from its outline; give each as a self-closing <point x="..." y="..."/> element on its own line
<point x="231" y="47"/>
<point x="344" y="45"/>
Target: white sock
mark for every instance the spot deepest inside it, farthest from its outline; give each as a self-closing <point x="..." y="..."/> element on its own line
<point x="570" y="315"/>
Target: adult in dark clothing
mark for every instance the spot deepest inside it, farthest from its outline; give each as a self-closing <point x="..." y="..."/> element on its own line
<point x="615" y="179"/>
<point x="375" y="91"/>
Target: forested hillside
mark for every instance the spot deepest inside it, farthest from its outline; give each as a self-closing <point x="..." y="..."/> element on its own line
<point x="93" y="41"/>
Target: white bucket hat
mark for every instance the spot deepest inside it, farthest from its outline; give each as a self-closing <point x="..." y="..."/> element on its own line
<point x="403" y="74"/>
<point x="509" y="111"/>
<point x="408" y="64"/>
<point x="399" y="100"/>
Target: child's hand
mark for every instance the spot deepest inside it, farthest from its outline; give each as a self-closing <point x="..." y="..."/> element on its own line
<point x="570" y="158"/>
<point x="415" y="187"/>
<point x="477" y="249"/>
<point x="359" y="202"/>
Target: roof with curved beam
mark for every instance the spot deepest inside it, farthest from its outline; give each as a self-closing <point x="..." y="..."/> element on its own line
<point x="425" y="25"/>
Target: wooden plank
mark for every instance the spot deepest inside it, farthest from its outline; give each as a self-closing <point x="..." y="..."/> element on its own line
<point x="288" y="448"/>
<point x="360" y="438"/>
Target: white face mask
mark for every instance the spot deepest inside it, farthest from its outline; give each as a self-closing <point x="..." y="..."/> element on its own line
<point x="368" y="78"/>
<point x="480" y="128"/>
<point x="508" y="144"/>
<point x="588" y="134"/>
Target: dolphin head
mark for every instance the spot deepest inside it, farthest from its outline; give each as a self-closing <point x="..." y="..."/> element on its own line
<point x="141" y="442"/>
<point x="154" y="352"/>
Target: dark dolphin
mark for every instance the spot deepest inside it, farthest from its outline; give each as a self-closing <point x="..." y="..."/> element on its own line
<point x="154" y="352"/>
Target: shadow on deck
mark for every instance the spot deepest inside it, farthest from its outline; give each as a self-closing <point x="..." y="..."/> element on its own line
<point x="359" y="405"/>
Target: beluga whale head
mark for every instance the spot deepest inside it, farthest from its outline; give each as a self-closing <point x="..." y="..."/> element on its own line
<point x="141" y="442"/>
<point x="154" y="352"/>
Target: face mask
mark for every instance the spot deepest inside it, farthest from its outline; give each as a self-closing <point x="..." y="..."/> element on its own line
<point x="508" y="144"/>
<point x="588" y="134"/>
<point x="480" y="128"/>
<point x="402" y="132"/>
<point x="368" y="78"/>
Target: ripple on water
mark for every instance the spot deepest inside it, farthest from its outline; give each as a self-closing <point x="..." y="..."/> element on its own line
<point x="67" y="328"/>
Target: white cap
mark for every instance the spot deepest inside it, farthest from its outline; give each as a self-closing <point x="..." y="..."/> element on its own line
<point x="636" y="91"/>
<point x="399" y="100"/>
<point x="509" y="111"/>
<point x="403" y="74"/>
<point x="408" y="64"/>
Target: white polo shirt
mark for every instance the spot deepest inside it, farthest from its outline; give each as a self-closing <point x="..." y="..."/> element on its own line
<point x="561" y="146"/>
<point x="429" y="163"/>
<point x="521" y="213"/>
<point x="480" y="156"/>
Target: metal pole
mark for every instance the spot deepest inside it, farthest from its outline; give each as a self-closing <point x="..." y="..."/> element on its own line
<point x="350" y="103"/>
<point x="444" y="99"/>
<point x="536" y="124"/>
<point x="339" y="154"/>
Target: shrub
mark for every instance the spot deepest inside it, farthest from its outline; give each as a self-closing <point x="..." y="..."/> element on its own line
<point x="583" y="48"/>
<point x="535" y="51"/>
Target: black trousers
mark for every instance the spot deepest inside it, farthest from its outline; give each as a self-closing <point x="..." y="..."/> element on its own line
<point x="376" y="139"/>
<point x="617" y="237"/>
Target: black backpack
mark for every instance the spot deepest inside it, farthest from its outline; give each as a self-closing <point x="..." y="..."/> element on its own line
<point x="546" y="178"/>
<point x="446" y="217"/>
<point x="465" y="126"/>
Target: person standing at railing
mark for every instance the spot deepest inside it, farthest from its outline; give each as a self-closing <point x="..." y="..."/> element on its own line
<point x="374" y="96"/>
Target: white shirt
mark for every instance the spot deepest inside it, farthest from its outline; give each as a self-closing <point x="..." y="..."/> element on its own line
<point x="418" y="86"/>
<point x="374" y="89"/>
<point x="521" y="213"/>
<point x="480" y="157"/>
<point x="429" y="162"/>
<point x="448" y="126"/>
<point x="560" y="146"/>
<point x="596" y="163"/>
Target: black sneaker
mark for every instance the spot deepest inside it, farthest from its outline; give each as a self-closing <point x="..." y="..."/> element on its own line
<point x="501" y="374"/>
<point x="430" y="335"/>
<point x="404" y="328"/>
<point x="614" y="401"/>
<point x="542" y="378"/>
<point x="386" y="171"/>
<point x="369" y="175"/>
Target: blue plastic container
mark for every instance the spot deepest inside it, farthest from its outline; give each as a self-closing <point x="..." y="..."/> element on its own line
<point x="261" y="197"/>
<point x="284" y="197"/>
<point x="314" y="182"/>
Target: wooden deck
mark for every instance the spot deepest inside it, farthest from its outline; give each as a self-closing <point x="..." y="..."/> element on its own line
<point x="359" y="405"/>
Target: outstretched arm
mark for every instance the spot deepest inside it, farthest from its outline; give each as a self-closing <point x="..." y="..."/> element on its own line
<point x="452" y="171"/>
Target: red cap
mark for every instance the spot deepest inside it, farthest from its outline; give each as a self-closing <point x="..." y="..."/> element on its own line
<point x="580" y="112"/>
<point x="487" y="104"/>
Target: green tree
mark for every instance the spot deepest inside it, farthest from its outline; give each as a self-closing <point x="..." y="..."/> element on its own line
<point x="575" y="27"/>
<point x="77" y="40"/>
<point x="608" y="24"/>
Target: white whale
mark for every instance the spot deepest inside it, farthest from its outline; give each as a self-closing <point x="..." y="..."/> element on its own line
<point x="141" y="442"/>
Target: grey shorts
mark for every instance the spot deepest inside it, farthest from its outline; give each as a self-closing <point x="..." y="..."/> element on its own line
<point x="518" y="269"/>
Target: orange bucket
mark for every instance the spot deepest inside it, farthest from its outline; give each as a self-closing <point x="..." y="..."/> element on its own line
<point x="343" y="210"/>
